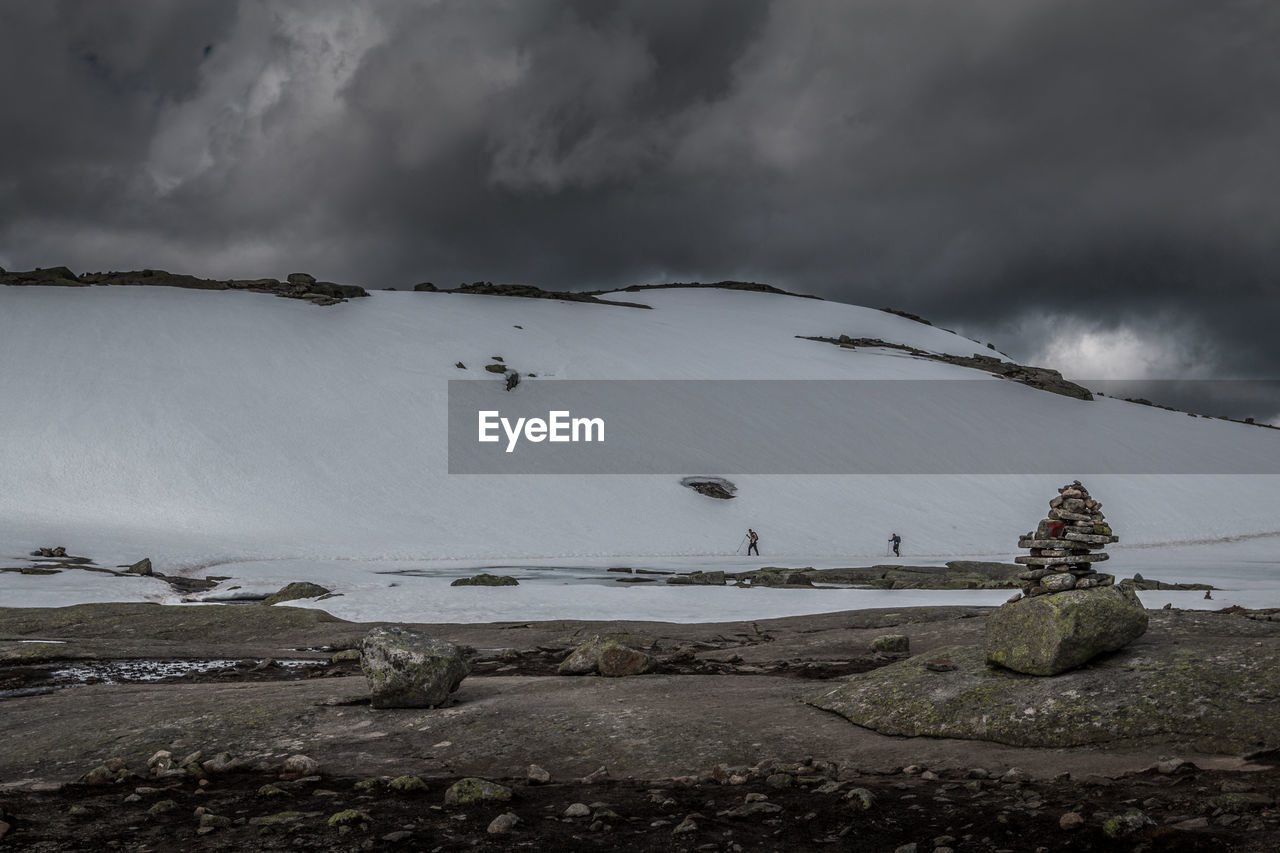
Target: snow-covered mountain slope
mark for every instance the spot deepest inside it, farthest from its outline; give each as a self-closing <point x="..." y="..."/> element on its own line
<point x="197" y="426"/>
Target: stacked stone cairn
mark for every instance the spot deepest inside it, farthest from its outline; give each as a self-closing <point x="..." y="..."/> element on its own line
<point x="1066" y="545"/>
<point x="1067" y="614"/>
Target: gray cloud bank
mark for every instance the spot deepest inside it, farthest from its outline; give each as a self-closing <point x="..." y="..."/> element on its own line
<point x="1079" y="180"/>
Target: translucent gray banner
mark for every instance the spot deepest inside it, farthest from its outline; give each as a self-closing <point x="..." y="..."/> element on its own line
<point x="979" y="426"/>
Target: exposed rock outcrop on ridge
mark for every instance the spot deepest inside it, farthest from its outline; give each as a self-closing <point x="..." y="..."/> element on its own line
<point x="299" y="285"/>
<point x="1037" y="377"/>
<point x="525" y="291"/>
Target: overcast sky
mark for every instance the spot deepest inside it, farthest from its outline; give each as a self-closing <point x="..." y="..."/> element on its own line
<point x="1089" y="183"/>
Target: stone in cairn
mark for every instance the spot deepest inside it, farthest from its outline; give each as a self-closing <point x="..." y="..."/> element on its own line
<point x="1066" y="545"/>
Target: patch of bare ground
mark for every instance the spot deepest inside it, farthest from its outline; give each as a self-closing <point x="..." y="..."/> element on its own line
<point x="715" y="751"/>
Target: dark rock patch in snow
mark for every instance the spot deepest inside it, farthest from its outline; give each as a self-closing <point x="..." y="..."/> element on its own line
<point x="751" y="286"/>
<point x="957" y="574"/>
<point x="51" y="561"/>
<point x="712" y="487"/>
<point x="485" y="579"/>
<point x="525" y="291"/>
<point x="916" y="317"/>
<point x="295" y="591"/>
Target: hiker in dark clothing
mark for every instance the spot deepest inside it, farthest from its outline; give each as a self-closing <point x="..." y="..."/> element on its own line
<point x="755" y="538"/>
<point x="897" y="543"/>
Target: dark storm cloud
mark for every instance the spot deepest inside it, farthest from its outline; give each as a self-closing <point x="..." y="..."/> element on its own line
<point x="1093" y="182"/>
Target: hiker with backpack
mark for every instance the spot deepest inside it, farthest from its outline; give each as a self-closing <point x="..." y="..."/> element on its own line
<point x="754" y="539"/>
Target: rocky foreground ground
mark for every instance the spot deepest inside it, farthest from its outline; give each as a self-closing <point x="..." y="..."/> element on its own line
<point x="722" y="748"/>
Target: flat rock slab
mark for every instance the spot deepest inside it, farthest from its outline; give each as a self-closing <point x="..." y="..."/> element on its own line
<point x="1213" y="699"/>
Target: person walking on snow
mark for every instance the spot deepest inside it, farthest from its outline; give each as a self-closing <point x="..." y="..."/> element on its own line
<point x="755" y="538"/>
<point x="897" y="543"/>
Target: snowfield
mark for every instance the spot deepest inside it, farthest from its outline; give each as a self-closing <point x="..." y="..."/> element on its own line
<point x="240" y="434"/>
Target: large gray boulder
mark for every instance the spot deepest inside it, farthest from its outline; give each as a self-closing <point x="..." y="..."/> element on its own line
<point x="408" y="669"/>
<point x="1049" y="634"/>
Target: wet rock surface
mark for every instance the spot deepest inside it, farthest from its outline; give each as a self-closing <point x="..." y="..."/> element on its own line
<point x="29" y="679"/>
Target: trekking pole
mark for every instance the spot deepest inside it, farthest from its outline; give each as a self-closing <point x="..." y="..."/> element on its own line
<point x="740" y="544"/>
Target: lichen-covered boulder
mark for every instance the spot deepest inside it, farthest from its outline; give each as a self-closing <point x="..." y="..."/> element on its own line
<point x="896" y="644"/>
<point x="618" y="661"/>
<point x="408" y="669"/>
<point x="607" y="657"/>
<point x="584" y="659"/>
<point x="1049" y="634"/>
<point x="469" y="791"/>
